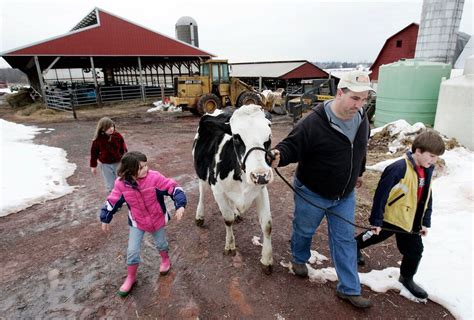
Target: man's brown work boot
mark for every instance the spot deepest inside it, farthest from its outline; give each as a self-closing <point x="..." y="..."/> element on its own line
<point x="300" y="269"/>
<point x="357" y="301"/>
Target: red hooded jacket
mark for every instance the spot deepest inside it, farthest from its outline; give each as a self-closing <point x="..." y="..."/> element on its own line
<point x="107" y="149"/>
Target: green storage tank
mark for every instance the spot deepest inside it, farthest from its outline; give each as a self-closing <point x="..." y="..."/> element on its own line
<point x="408" y="89"/>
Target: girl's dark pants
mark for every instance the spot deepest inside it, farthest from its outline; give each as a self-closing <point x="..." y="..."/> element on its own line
<point x="409" y="245"/>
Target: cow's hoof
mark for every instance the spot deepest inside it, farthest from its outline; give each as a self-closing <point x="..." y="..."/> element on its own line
<point x="199" y="222"/>
<point x="230" y="252"/>
<point x="267" y="269"/>
<point x="238" y="219"/>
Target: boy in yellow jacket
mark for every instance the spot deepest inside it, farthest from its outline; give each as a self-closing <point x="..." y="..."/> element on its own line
<point x="402" y="202"/>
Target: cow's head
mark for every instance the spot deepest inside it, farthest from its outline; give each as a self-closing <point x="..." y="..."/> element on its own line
<point x="250" y="128"/>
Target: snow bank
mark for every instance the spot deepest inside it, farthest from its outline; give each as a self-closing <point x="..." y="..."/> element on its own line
<point x="30" y="173"/>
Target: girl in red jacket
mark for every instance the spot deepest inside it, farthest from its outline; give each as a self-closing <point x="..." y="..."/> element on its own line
<point x="107" y="148"/>
<point x="143" y="190"/>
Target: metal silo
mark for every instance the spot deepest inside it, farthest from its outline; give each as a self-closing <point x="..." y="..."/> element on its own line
<point x="187" y="31"/>
<point x="438" y="31"/>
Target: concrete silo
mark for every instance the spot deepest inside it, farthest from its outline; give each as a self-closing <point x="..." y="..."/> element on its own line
<point x="438" y="31"/>
<point x="187" y="30"/>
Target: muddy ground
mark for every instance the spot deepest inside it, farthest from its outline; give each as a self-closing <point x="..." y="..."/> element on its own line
<point x="56" y="263"/>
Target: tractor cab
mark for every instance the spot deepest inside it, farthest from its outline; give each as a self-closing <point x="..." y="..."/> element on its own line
<point x="217" y="70"/>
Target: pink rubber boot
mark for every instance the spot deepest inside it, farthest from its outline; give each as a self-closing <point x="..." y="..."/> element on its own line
<point x="165" y="263"/>
<point x="129" y="281"/>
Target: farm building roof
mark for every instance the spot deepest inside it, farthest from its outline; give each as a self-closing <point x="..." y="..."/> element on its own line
<point x="101" y="33"/>
<point x="300" y="69"/>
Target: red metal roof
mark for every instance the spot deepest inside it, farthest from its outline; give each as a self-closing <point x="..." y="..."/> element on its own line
<point x="391" y="53"/>
<point x="306" y="71"/>
<point x="111" y="36"/>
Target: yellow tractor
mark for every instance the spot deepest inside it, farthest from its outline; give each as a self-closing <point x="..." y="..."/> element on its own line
<point x="212" y="90"/>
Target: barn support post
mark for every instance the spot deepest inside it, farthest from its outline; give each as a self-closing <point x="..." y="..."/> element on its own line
<point x="162" y="89"/>
<point x="45" y="71"/>
<point x="145" y="76"/>
<point x="260" y="84"/>
<point x="142" y="87"/>
<point x="73" y="104"/>
<point x="96" y="85"/>
<point x="40" y="78"/>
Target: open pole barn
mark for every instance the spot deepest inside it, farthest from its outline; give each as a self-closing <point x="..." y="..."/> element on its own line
<point x="276" y="74"/>
<point x="104" y="58"/>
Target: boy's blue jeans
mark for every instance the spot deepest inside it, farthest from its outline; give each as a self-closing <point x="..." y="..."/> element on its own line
<point x="135" y="242"/>
<point x="341" y="234"/>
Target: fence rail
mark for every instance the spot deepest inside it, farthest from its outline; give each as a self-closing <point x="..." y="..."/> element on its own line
<point x="84" y="96"/>
<point x="57" y="99"/>
<point x="66" y="100"/>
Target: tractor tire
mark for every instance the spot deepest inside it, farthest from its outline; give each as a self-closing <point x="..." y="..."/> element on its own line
<point x="249" y="97"/>
<point x="208" y="103"/>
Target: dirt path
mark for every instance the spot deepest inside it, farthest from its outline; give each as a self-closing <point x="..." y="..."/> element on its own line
<point x="56" y="262"/>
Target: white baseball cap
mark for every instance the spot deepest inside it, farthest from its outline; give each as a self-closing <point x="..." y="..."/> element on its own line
<point x="356" y="81"/>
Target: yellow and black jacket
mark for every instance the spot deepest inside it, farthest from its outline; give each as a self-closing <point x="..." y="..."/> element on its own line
<point x="395" y="200"/>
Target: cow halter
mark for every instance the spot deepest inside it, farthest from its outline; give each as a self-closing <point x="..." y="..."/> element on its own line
<point x="242" y="163"/>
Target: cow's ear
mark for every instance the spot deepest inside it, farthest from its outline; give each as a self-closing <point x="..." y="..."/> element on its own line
<point x="217" y="126"/>
<point x="226" y="128"/>
<point x="221" y="127"/>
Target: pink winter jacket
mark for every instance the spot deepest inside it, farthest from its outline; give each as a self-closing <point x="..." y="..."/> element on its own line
<point x="145" y="200"/>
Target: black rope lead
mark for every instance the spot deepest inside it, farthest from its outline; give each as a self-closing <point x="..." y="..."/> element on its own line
<point x="335" y="213"/>
<point x="271" y="157"/>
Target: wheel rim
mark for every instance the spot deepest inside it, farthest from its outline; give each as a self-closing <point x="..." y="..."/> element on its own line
<point x="210" y="106"/>
<point x="249" y="101"/>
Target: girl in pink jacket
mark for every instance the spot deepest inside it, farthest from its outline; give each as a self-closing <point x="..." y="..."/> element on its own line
<point x="143" y="190"/>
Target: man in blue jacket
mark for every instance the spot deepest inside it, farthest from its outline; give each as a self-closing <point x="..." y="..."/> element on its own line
<point x="330" y="147"/>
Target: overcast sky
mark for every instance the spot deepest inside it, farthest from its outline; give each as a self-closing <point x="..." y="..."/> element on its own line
<point x="258" y="30"/>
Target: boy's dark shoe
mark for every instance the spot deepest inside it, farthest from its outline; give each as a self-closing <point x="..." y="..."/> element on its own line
<point x="300" y="269"/>
<point x="357" y="301"/>
<point x="360" y="258"/>
<point x="415" y="290"/>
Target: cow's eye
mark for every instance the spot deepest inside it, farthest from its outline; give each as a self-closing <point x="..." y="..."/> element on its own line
<point x="239" y="144"/>
<point x="236" y="140"/>
<point x="267" y="143"/>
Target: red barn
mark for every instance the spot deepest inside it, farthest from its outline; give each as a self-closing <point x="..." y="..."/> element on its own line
<point x="401" y="45"/>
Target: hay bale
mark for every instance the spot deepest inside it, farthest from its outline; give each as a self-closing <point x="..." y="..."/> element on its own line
<point x="20" y="99"/>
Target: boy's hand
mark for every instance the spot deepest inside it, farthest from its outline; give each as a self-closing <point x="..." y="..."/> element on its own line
<point x="424" y="231"/>
<point x="105" y="227"/>
<point x="94" y="171"/>
<point x="180" y="213"/>
<point x="376" y="230"/>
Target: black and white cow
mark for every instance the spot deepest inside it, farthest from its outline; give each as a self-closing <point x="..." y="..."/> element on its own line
<point x="236" y="176"/>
